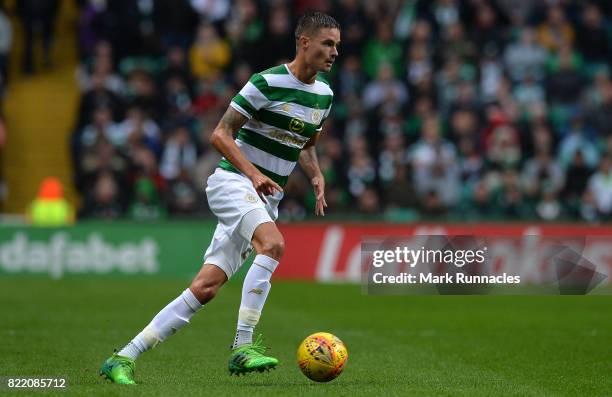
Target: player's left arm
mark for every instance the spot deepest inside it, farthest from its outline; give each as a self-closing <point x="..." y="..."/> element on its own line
<point x="310" y="164"/>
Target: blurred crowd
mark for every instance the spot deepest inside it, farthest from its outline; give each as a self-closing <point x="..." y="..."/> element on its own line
<point x="445" y="109"/>
<point x="6" y="39"/>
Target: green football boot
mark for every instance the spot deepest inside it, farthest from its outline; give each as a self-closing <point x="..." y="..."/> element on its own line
<point x="249" y="358"/>
<point x="119" y="369"/>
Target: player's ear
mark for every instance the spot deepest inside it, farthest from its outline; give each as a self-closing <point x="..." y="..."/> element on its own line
<point x="304" y="41"/>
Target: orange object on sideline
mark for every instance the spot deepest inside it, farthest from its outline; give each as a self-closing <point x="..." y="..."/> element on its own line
<point x="51" y="188"/>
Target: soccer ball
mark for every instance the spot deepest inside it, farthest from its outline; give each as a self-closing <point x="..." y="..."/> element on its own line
<point x="322" y="356"/>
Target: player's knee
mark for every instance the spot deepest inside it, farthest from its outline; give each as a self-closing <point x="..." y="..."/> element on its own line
<point x="204" y="290"/>
<point x="273" y="247"/>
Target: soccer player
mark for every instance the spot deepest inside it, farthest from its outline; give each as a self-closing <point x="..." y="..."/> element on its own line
<point x="277" y="116"/>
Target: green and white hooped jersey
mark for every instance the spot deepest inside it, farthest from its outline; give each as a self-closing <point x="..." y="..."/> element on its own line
<point x="283" y="114"/>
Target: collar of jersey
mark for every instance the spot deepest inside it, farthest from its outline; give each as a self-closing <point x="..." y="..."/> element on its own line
<point x="296" y="79"/>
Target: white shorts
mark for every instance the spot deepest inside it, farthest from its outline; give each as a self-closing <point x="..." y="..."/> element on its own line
<point x="235" y="203"/>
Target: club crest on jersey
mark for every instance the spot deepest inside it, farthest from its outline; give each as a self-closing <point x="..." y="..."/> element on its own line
<point x="296" y="125"/>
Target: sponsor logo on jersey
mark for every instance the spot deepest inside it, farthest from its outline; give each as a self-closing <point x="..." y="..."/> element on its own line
<point x="286" y="138"/>
<point x="296" y="125"/>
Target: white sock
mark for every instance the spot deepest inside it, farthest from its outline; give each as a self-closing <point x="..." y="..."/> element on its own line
<point x="243" y="337"/>
<point x="255" y="290"/>
<point x="169" y="320"/>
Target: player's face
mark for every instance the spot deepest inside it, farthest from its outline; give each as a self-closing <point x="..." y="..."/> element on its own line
<point x="322" y="49"/>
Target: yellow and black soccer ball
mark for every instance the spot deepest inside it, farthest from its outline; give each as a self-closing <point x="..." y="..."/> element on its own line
<point x="322" y="356"/>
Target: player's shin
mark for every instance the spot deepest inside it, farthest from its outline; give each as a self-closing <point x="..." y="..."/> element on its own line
<point x="169" y="320"/>
<point x="255" y="290"/>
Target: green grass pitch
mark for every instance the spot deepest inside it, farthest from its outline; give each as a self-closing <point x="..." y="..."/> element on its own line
<point x="410" y="345"/>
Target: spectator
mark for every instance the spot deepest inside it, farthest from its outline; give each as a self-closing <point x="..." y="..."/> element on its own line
<point x="384" y="88"/>
<point x="6" y="37"/>
<point x="419" y="64"/>
<point x="209" y="53"/>
<point x="183" y="199"/>
<point x="361" y="173"/>
<point x="453" y="73"/>
<point x="455" y="44"/>
<point x="600" y="188"/>
<point x="179" y="155"/>
<point x="593" y="38"/>
<point x="549" y="208"/>
<point x="391" y="156"/>
<point x="104" y="201"/>
<point x="542" y="174"/>
<point x="139" y="127"/>
<point x="37" y="16"/>
<point x="433" y="159"/>
<point x="477" y="203"/>
<point x="486" y="30"/>
<point x="142" y="91"/>
<point x="101" y="66"/>
<point x="146" y="205"/>
<point x="491" y="72"/>
<point x="600" y="115"/>
<point x="399" y="192"/>
<point x="102" y="125"/>
<point x="245" y="31"/>
<point x="470" y="162"/>
<point x="350" y="78"/>
<point x="101" y="157"/>
<point x="369" y="202"/>
<point x="525" y="58"/>
<point x="177" y="20"/>
<point x="577" y="140"/>
<point x="382" y="49"/>
<point x="576" y="178"/>
<point x="593" y="95"/>
<point x="446" y="13"/>
<point x="503" y="149"/>
<point x="556" y="31"/>
<point x="508" y="197"/>
<point x="176" y="66"/>
<point x="98" y="95"/>
<point x="565" y="81"/>
<point x="177" y="101"/>
<point x="355" y="25"/>
<point x="95" y="25"/>
<point x="528" y="93"/>
<point x="279" y="42"/>
<point x="212" y="10"/>
<point x="145" y="166"/>
<point x="135" y="32"/>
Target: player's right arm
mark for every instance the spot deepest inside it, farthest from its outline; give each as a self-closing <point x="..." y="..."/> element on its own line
<point x="222" y="139"/>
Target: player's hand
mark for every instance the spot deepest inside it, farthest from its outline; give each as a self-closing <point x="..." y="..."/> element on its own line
<point x="264" y="186"/>
<point x="318" y="183"/>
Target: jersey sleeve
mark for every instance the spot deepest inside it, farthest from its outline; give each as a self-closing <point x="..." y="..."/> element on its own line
<point x="325" y="116"/>
<point x="252" y="97"/>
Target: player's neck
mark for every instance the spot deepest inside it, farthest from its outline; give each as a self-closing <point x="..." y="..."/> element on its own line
<point x="302" y="71"/>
